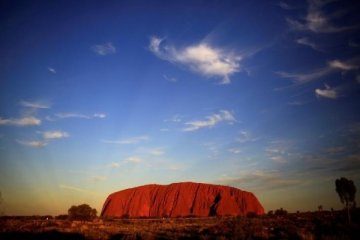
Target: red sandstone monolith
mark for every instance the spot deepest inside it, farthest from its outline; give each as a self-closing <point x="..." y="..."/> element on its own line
<point x="181" y="200"/>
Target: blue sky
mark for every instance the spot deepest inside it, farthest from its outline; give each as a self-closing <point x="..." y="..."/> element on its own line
<point x="98" y="96"/>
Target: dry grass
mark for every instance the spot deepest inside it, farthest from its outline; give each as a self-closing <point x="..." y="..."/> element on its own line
<point x="308" y="226"/>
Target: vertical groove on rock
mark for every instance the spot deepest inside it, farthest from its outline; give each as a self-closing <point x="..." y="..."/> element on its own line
<point x="194" y="200"/>
<point x="175" y="201"/>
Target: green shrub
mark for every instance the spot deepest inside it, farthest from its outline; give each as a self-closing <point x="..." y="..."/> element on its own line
<point x="82" y="212"/>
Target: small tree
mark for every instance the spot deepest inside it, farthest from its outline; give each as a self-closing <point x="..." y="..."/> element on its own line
<point x="280" y="212"/>
<point x="82" y="212"/>
<point x="320" y="208"/>
<point x="346" y="190"/>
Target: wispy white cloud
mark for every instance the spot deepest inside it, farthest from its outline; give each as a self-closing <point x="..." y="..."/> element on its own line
<point x="332" y="66"/>
<point x="156" y="151"/>
<point x="306" y="77"/>
<point x="349" y="65"/>
<point x="175" y="118"/>
<point x="296" y="103"/>
<point x="79" y="115"/>
<point x="246" y="137"/>
<point x="275" y="151"/>
<point x="211" y="121"/>
<point x="335" y="149"/>
<point x="317" y="20"/>
<point x="235" y="150"/>
<point x="212" y="147"/>
<point x="154" y="45"/>
<point x="262" y="180"/>
<point x="21" y="122"/>
<point x="132" y="140"/>
<point x="307" y="42"/>
<point x="280" y="151"/>
<point x="285" y="5"/>
<point x="54" y="134"/>
<point x="40" y="105"/>
<point x="200" y="58"/>
<point x="34" y="144"/>
<point x="76" y="189"/>
<point x="104" y="49"/>
<point x="46" y="137"/>
<point x="99" y="115"/>
<point x="170" y="79"/>
<point x="71" y="115"/>
<point x="328" y="92"/>
<point x="52" y="70"/>
<point x="133" y="159"/>
<point x="278" y="159"/>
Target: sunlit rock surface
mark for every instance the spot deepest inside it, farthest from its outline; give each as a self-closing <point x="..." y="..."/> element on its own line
<point x="181" y="200"/>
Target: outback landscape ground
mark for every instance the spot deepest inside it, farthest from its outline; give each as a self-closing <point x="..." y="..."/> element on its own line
<point x="274" y="225"/>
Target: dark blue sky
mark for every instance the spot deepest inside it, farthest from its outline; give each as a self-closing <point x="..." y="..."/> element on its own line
<point x="99" y="96"/>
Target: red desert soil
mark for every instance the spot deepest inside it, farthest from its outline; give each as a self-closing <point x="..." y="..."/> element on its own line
<point x="181" y="200"/>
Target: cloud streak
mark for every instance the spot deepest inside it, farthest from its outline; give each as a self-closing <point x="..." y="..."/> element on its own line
<point x="52" y="70"/>
<point x="34" y="144"/>
<point x="104" y="49"/>
<point x="79" y="115"/>
<point x="133" y="159"/>
<point x="21" y="122"/>
<point x="128" y="141"/>
<point x="332" y="66"/>
<point x="201" y="58"/>
<point x="328" y="92"/>
<point x="36" y="105"/>
<point x="317" y="20"/>
<point x="280" y="151"/>
<point x="345" y="65"/>
<point x="47" y="136"/>
<point x="72" y="188"/>
<point x="170" y="79"/>
<point x="262" y="180"/>
<point x="235" y="150"/>
<point x="306" y="77"/>
<point x="246" y="137"/>
<point x="210" y="121"/>
<point x="54" y="134"/>
<point x="156" y="152"/>
<point x="306" y="42"/>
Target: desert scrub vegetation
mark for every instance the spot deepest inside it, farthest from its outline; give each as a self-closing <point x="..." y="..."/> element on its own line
<point x="307" y="226"/>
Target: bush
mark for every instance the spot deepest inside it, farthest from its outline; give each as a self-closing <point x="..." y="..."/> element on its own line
<point x="251" y="215"/>
<point x="280" y="212"/>
<point x="82" y="212"/>
<point x="62" y="217"/>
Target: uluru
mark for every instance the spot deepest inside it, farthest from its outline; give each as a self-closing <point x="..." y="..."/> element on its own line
<point x="181" y="200"/>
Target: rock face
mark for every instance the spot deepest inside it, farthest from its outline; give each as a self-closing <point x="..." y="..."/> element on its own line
<point x="181" y="200"/>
